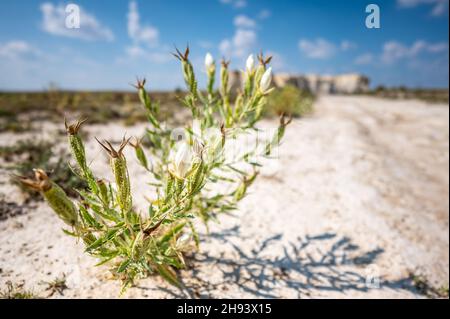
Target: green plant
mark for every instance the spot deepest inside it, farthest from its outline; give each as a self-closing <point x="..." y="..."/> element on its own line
<point x="423" y="286"/>
<point x="57" y="285"/>
<point x="290" y="100"/>
<point x="185" y="164"/>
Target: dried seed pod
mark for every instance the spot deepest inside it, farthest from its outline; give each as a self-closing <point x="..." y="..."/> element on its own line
<point x="210" y="71"/>
<point x="76" y="143"/>
<point x="119" y="167"/>
<point x="188" y="70"/>
<point x="143" y="96"/>
<point x="180" y="56"/>
<point x="78" y="152"/>
<point x="61" y="204"/>
<point x="224" y="78"/>
<point x="264" y="61"/>
<point x="54" y="195"/>
<point x="152" y="108"/>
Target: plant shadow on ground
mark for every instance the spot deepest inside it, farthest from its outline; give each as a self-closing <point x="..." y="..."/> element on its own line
<point x="303" y="267"/>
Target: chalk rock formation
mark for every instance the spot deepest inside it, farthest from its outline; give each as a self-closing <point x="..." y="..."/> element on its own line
<point x="318" y="84"/>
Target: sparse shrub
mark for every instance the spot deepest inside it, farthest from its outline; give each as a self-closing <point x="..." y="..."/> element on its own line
<point x="9" y="209"/>
<point x="57" y="285"/>
<point x="16" y="292"/>
<point x="424" y="287"/>
<point x="290" y="100"/>
<point x="11" y="123"/>
<point x="428" y="95"/>
<point x="28" y="154"/>
<point x="185" y="165"/>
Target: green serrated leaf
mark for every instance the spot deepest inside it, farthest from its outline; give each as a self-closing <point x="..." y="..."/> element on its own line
<point x="168" y="274"/>
<point x="102" y="240"/>
<point x="107" y="259"/>
<point x="65" y="231"/>
<point x="172" y="232"/>
<point x="124" y="265"/>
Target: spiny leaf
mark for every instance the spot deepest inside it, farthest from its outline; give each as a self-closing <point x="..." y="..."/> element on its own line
<point x="102" y="240"/>
<point x="124" y="265"/>
<point x="172" y="232"/>
<point x="168" y="274"/>
<point x="107" y="259"/>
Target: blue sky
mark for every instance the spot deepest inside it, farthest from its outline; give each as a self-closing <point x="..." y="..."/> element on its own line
<point x="119" y="40"/>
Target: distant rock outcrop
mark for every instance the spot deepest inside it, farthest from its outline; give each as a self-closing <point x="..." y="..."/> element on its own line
<point x="325" y="84"/>
<point x="317" y="84"/>
<point x="235" y="81"/>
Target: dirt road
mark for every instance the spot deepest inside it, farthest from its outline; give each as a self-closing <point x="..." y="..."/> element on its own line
<point x="356" y="206"/>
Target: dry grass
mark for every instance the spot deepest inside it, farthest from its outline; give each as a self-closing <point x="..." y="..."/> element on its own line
<point x="99" y="107"/>
<point x="13" y="291"/>
<point x="427" y="95"/>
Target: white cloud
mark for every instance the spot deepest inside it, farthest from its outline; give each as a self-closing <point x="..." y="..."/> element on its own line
<point x="145" y="41"/>
<point x="320" y="48"/>
<point x="240" y="45"/>
<point x="240" y="4"/>
<point x="317" y="49"/>
<point x="54" y="18"/>
<point x="225" y="47"/>
<point x="205" y="44"/>
<point x="366" y="58"/>
<point x="16" y="49"/>
<point x="437" y="47"/>
<point x="244" y="39"/>
<point x="394" y="50"/>
<point x="242" y="21"/>
<point x="235" y="3"/>
<point x="264" y="14"/>
<point x="135" y="52"/>
<point x="440" y="7"/>
<point x="140" y="34"/>
<point x="347" y="45"/>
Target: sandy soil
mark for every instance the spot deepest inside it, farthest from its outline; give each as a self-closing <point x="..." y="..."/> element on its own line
<point x="357" y="202"/>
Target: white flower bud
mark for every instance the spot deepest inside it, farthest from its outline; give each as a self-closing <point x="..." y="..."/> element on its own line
<point x="209" y="61"/>
<point x="196" y="128"/>
<point x="266" y="80"/>
<point x="250" y="64"/>
<point x="181" y="161"/>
